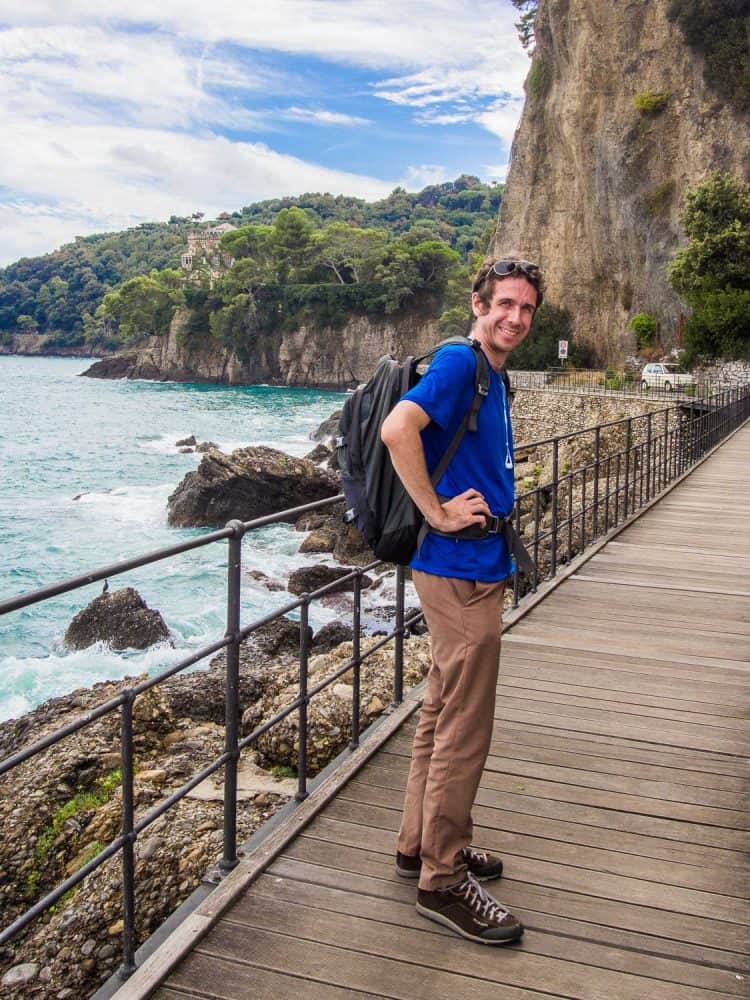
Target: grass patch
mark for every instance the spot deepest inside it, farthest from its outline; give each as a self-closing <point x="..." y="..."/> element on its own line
<point x="539" y="80"/>
<point x="650" y="102"/>
<point x="658" y="200"/>
<point x="103" y="790"/>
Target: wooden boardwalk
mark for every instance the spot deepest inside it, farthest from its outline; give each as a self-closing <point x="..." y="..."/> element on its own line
<point x="616" y="790"/>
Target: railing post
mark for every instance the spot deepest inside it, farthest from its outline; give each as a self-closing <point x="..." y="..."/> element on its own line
<point x="128" y="819"/>
<point x="398" y="642"/>
<point x="628" y="445"/>
<point x="537" y="519"/>
<point x="555" y="475"/>
<point x="232" y="696"/>
<point x="356" y="654"/>
<point x="665" y="456"/>
<point x="516" y="573"/>
<point x="304" y="653"/>
<point x="597" y="449"/>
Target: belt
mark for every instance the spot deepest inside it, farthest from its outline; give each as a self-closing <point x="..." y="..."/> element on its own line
<point x="495" y="524"/>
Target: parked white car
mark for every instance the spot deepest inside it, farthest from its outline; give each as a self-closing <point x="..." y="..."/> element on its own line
<point x="667" y="377"/>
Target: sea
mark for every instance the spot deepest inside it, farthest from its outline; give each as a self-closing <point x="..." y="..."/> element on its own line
<point x="86" y="467"/>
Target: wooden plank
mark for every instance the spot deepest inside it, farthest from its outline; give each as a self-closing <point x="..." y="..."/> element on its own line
<point x="609" y="859"/>
<point x="577" y="720"/>
<point x="663" y="583"/>
<point x="567" y="695"/>
<point x="431" y="952"/>
<point x="226" y="979"/>
<point x="349" y="969"/>
<point x="667" y="926"/>
<point x="530" y="647"/>
<point x="623" y="690"/>
<point x="708" y="770"/>
<point x="600" y="772"/>
<point x="552" y="944"/>
<point x="684" y="867"/>
<point x="386" y="772"/>
<point x="572" y="915"/>
<point x="627" y="688"/>
<point x="609" y="819"/>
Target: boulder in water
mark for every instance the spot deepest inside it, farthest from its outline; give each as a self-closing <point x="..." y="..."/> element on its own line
<point x="120" y="618"/>
<point x="249" y="483"/>
<point x="309" y="578"/>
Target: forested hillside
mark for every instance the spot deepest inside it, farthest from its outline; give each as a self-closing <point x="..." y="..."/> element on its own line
<point x="61" y="293"/>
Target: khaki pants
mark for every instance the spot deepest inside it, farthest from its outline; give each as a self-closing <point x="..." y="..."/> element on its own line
<point x="455" y="723"/>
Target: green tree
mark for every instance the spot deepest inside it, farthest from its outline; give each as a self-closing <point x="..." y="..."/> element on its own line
<point x="145" y="305"/>
<point x="713" y="272"/>
<point x="27" y="324"/>
<point x="291" y="241"/>
<point x="349" y="252"/>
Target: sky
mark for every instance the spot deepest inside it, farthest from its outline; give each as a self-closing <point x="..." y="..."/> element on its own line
<point x="116" y="113"/>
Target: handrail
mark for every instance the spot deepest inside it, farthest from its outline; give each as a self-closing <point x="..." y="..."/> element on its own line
<point x="583" y="503"/>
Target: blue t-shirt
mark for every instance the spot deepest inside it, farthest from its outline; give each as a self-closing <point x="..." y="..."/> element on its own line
<point x="445" y="393"/>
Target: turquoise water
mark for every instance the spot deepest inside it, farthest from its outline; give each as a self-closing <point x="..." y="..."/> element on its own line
<point x="112" y="445"/>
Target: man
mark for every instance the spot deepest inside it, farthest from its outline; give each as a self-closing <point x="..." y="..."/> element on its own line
<point x="460" y="582"/>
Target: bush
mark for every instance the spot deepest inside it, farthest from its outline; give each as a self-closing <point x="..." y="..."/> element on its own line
<point x="658" y="200"/>
<point x="644" y="327"/>
<point x="650" y="102"/>
<point x="718" y="29"/>
<point x="720" y="324"/>
<point x="539" y="80"/>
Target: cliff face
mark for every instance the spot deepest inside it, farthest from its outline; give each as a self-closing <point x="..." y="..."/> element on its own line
<point x="595" y="187"/>
<point x="326" y="357"/>
<point x="37" y="344"/>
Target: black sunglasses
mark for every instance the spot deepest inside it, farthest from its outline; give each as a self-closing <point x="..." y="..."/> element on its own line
<point x="505" y="268"/>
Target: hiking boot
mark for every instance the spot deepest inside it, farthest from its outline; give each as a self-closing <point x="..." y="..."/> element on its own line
<point x="470" y="911"/>
<point x="483" y="866"/>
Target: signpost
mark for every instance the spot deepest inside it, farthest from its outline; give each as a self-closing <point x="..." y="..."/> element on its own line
<point x="562" y="349"/>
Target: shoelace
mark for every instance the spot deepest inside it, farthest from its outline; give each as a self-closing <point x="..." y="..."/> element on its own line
<point x="480" y="900"/>
<point x="472" y="854"/>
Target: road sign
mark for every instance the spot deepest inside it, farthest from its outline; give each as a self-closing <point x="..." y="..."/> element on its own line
<point x="562" y="348"/>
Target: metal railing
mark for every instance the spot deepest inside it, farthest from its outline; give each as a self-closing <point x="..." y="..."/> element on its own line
<point x="613" y="381"/>
<point x="624" y="464"/>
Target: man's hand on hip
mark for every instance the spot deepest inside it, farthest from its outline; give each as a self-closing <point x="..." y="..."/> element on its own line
<point x="463" y="510"/>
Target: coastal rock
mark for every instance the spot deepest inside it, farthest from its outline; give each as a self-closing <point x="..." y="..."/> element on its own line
<point x="328" y="428"/>
<point x="321" y="540"/>
<point x="332" y="634"/>
<point x="249" y="483"/>
<point x="329" y="357"/>
<point x="309" y="578"/>
<point x="20" y="974"/>
<point x="120" y="618"/>
<point x="329" y="713"/>
<point x="319" y="454"/>
<point x="268" y="582"/>
<point x="205" y="446"/>
<point x="119" y="366"/>
<point x="188" y="442"/>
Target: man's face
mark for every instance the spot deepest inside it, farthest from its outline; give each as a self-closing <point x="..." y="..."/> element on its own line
<point x="504" y="324"/>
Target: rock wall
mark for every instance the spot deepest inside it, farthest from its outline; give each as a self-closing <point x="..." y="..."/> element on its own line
<point x="326" y="357"/>
<point x="538" y="414"/>
<point x="38" y="344"/>
<point x="595" y="187"/>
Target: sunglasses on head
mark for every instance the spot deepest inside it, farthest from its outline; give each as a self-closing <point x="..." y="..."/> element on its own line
<point x="505" y="268"/>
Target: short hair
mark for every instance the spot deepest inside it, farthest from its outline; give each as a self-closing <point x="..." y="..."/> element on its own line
<point x="486" y="278"/>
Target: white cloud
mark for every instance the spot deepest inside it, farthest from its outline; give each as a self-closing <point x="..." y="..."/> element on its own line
<point x="368" y="33"/>
<point x="321" y="117"/>
<point x="112" y="112"/>
<point x="98" y="179"/>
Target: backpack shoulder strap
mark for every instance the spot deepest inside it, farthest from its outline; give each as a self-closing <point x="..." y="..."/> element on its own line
<point x="469" y="422"/>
